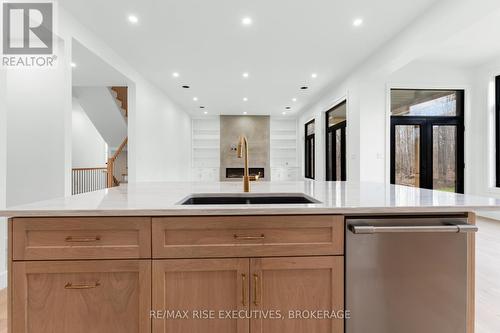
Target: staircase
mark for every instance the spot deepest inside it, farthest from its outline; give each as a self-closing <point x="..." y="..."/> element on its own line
<point x="121" y="97"/>
<point x="113" y="174"/>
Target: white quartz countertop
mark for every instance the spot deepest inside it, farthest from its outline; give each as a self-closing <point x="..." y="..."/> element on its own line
<point x="162" y="198"/>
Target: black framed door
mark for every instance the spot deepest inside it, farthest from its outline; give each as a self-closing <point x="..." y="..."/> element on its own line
<point x="309" y="167"/>
<point x="336" y="151"/>
<point x="428" y="152"/>
<point x="427" y="139"/>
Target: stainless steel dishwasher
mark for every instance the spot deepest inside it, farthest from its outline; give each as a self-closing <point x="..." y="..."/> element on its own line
<point x="407" y="275"/>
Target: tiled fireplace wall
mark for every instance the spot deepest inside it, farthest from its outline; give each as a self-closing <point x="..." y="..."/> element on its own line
<point x="257" y="131"/>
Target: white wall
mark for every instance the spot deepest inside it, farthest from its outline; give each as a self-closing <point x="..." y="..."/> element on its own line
<point x="159" y="132"/>
<point x="89" y="149"/>
<point x="483" y="123"/>
<point x="367" y="85"/>
<point x="102" y="109"/>
<point x="368" y="112"/>
<point x="38" y="103"/>
<point x="35" y="128"/>
<point x="3" y="180"/>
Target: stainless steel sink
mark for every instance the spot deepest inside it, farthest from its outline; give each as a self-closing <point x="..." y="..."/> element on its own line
<point x="248" y="199"/>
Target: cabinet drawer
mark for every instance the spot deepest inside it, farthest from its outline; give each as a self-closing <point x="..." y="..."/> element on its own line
<point x="247" y="236"/>
<point x="100" y="296"/>
<point x="81" y="238"/>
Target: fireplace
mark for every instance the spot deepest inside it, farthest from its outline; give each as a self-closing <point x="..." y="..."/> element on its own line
<point x="235" y="173"/>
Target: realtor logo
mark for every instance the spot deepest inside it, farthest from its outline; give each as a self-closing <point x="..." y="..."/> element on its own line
<point x="28" y="34"/>
<point x="27" y="28"/>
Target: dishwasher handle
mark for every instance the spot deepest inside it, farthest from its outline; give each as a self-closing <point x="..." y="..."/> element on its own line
<point x="445" y="228"/>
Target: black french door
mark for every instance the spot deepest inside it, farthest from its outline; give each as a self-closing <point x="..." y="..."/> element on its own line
<point x="309" y="150"/>
<point x="428" y="152"/>
<point x="335" y="151"/>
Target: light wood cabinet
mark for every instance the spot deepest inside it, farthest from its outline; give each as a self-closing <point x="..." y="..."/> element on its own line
<point x="304" y="285"/>
<point x="81" y="238"/>
<point x="247" y="236"/>
<point x="303" y="289"/>
<point x="139" y="274"/>
<point x="200" y="284"/>
<point x="81" y="297"/>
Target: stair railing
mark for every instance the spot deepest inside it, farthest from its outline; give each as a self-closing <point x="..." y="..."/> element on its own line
<point x="88" y="179"/>
<point x="112" y="181"/>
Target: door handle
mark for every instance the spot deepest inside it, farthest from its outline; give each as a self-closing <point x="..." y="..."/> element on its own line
<point x="248" y="237"/>
<point x="451" y="228"/>
<point x="244" y="289"/>
<point x="256" y="287"/>
<point x="79" y="239"/>
<point x="71" y="285"/>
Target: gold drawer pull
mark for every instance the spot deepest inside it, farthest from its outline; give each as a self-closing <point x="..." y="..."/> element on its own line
<point x="70" y="285"/>
<point x="82" y="239"/>
<point x="256" y="286"/>
<point x="243" y="237"/>
<point x="243" y="289"/>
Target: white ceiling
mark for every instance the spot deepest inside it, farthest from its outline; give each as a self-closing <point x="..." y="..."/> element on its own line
<point x="91" y="70"/>
<point x="477" y="44"/>
<point x="205" y="42"/>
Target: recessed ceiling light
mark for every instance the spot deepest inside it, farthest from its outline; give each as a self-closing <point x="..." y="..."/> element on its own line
<point x="245" y="112"/>
<point x="304" y="87"/>
<point x="245" y="99"/>
<point x="205" y="112"/>
<point x="73" y="65"/>
<point x="245" y="75"/>
<point x="357" y="22"/>
<point x="186" y="87"/>
<point x="283" y="113"/>
<point x="246" y="21"/>
<point x="314" y="75"/>
<point x="195" y="99"/>
<point x="133" y="19"/>
<point x="175" y="74"/>
<point x="294" y="99"/>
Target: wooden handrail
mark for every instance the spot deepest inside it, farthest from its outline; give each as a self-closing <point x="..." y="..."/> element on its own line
<point x="119" y="150"/>
<point x="111" y="163"/>
<point x="86" y="169"/>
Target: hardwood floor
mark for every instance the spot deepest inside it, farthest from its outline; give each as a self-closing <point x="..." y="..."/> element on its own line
<point x="488" y="276"/>
<point x="487" y="280"/>
<point x="3" y="311"/>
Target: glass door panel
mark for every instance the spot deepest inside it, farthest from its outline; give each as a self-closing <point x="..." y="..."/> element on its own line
<point x="444" y="158"/>
<point x="338" y="154"/>
<point x="407" y="151"/>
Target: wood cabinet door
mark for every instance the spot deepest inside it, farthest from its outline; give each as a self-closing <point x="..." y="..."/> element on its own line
<point x="305" y="286"/>
<point x="196" y="285"/>
<point x="81" y="296"/>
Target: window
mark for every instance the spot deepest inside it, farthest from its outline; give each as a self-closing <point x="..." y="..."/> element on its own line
<point x="336" y="142"/>
<point x="427" y="139"/>
<point x="497" y="129"/>
<point x="309" y="150"/>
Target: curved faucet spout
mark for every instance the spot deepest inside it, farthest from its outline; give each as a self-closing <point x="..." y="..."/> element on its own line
<point x="243" y="144"/>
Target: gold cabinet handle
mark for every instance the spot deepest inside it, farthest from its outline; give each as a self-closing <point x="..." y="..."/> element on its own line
<point x="244" y="289"/>
<point x="255" y="289"/>
<point x="248" y="237"/>
<point x="71" y="285"/>
<point x="73" y="239"/>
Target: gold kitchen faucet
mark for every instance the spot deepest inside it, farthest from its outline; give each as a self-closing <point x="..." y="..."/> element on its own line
<point x="243" y="143"/>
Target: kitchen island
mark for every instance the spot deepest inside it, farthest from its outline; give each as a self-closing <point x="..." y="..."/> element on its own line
<point x="361" y="257"/>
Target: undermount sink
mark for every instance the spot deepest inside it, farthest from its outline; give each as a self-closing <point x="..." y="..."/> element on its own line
<point x="248" y="199"/>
